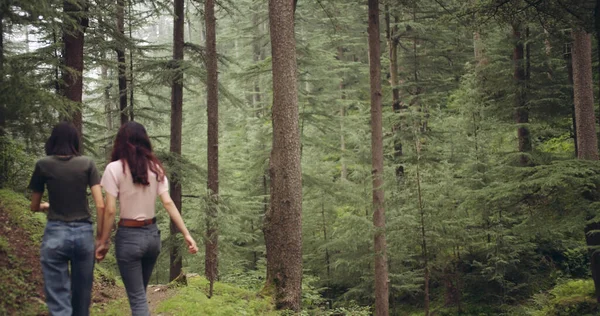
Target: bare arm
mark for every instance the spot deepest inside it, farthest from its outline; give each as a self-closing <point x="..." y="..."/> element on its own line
<point x="169" y="205"/>
<point x="110" y="210"/>
<point x="36" y="202"/>
<point x="97" y="195"/>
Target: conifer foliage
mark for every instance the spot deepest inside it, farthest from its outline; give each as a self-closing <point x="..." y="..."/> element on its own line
<point x="476" y="118"/>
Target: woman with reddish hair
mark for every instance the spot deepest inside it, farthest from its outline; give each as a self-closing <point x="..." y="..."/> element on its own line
<point x="136" y="177"/>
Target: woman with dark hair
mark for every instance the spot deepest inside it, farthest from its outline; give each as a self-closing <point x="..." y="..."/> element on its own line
<point x="136" y="177"/>
<point x="68" y="237"/>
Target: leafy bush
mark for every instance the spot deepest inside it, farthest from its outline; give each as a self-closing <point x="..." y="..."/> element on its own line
<point x="575" y="297"/>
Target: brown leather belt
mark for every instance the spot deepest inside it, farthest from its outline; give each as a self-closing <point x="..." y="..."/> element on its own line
<point x="124" y="222"/>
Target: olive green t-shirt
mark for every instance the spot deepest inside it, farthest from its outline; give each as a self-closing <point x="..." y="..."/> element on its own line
<point x="67" y="180"/>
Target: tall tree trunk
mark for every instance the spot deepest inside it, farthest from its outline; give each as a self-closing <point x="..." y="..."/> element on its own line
<point x="344" y="174"/>
<point x="58" y="60"/>
<point x="424" y="252"/>
<point x="392" y="42"/>
<point x="73" y="37"/>
<point x="2" y="106"/>
<point x="381" y="273"/>
<point x="107" y="108"/>
<point x="176" y="127"/>
<point x="122" y="68"/>
<point x="283" y="221"/>
<point x="520" y="102"/>
<point x="569" y="60"/>
<point x="597" y="27"/>
<point x="3" y="161"/>
<point x="587" y="141"/>
<point x="212" y="101"/>
<point x="581" y="53"/>
<point x="131" y="116"/>
<point x="327" y="259"/>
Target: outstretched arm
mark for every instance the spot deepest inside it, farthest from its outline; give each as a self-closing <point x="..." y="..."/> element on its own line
<point x="176" y="218"/>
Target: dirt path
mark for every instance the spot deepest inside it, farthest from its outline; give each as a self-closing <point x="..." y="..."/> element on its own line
<point x="157" y="294"/>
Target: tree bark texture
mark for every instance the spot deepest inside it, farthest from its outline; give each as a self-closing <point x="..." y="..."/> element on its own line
<point x="392" y="41"/>
<point x="597" y="27"/>
<point x="283" y="221"/>
<point x="3" y="162"/>
<point x="381" y="273"/>
<point x="2" y="106"/>
<point x="131" y="116"/>
<point x="344" y="174"/>
<point x="176" y="127"/>
<point x="212" y="101"/>
<point x="73" y="37"/>
<point x="122" y="77"/>
<point x="587" y="140"/>
<point x="568" y="59"/>
<point x="581" y="56"/>
<point x="520" y="101"/>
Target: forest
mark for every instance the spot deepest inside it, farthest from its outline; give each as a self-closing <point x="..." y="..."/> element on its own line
<point x="344" y="157"/>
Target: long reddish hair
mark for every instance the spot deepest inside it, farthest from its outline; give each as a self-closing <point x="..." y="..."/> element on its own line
<point x="133" y="148"/>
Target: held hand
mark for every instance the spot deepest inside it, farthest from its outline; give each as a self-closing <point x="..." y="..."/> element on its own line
<point x="44" y="206"/>
<point x="192" y="248"/>
<point x="101" y="249"/>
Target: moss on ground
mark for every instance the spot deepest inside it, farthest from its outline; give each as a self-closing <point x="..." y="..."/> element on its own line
<point x="20" y="235"/>
<point x="227" y="300"/>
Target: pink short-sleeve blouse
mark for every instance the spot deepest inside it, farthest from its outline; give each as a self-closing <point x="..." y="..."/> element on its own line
<point x="136" y="201"/>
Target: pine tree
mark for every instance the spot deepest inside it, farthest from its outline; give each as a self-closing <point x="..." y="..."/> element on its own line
<point x="122" y="79"/>
<point x="176" y="126"/>
<point x="73" y="39"/>
<point x="283" y="220"/>
<point x="212" y="151"/>
<point x="381" y="273"/>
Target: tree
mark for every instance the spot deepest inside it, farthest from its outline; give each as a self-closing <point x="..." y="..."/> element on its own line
<point x="581" y="51"/>
<point x="176" y="126"/>
<point x="392" y="41"/>
<point x="587" y="142"/>
<point x="73" y="38"/>
<point x="381" y="273"/>
<point x="212" y="100"/>
<point x="121" y="62"/>
<point x="283" y="220"/>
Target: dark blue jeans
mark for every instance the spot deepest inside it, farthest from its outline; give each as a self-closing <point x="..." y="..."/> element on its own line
<point x="64" y="243"/>
<point x="137" y="250"/>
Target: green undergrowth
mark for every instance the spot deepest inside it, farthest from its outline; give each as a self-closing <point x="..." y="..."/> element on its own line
<point x="16" y="283"/>
<point x="226" y="300"/>
<point x="573" y="297"/>
<point x="17" y="208"/>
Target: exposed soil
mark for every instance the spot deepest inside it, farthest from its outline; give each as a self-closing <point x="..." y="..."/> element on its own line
<point x="27" y="254"/>
<point x="157" y="294"/>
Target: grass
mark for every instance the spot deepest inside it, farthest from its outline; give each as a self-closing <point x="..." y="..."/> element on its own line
<point x="16" y="286"/>
<point x="192" y="300"/>
<point x="227" y="300"/>
<point x="114" y="308"/>
<point x="17" y="208"/>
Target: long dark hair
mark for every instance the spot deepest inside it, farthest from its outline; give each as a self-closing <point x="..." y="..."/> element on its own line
<point x="133" y="147"/>
<point x="64" y="140"/>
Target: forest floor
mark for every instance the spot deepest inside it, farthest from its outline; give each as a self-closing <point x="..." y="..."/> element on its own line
<point x="21" y="281"/>
<point x="192" y="299"/>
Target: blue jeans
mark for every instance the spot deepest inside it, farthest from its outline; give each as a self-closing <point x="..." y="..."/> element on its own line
<point x="64" y="243"/>
<point x="137" y="250"/>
